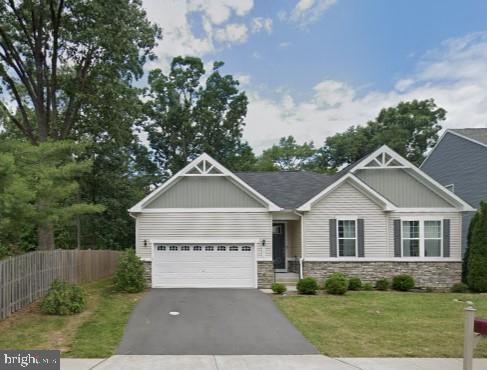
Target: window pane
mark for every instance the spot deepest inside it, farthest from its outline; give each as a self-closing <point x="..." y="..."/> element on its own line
<point x="410" y="229"/>
<point x="346" y="247"/>
<point x="432" y="248"/>
<point x="432" y="229"/>
<point x="410" y="248"/>
<point x="346" y="229"/>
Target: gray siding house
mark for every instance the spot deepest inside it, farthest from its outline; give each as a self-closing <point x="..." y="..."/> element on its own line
<point x="209" y="227"/>
<point x="459" y="162"/>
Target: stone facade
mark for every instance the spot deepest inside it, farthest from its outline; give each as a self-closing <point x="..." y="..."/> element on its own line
<point x="148" y="273"/>
<point x="436" y="275"/>
<point x="265" y="274"/>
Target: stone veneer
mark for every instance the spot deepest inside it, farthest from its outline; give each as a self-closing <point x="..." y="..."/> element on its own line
<point x="436" y="275"/>
<point x="265" y="274"/>
<point x="148" y="273"/>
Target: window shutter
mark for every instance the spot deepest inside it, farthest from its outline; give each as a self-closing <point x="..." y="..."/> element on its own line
<point x="333" y="237"/>
<point x="446" y="238"/>
<point x="397" y="238"/>
<point x="360" y="237"/>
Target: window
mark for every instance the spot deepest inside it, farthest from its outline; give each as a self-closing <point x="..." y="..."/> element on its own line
<point x="197" y="248"/>
<point x="422" y="238"/>
<point x="277" y="229"/>
<point x="233" y="248"/>
<point x="161" y="247"/>
<point x="209" y="248"/>
<point x="246" y="248"/>
<point x="221" y="248"/>
<point x="173" y="248"/>
<point x="185" y="248"/>
<point x="347" y="238"/>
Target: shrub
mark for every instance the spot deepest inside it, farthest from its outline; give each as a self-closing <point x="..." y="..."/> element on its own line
<point x="278" y="288"/>
<point x="382" y="284"/>
<point x="337" y="283"/>
<point x="129" y="276"/>
<point x="63" y="299"/>
<point x="477" y="251"/>
<point x="367" y="286"/>
<point x="354" y="283"/>
<point x="308" y="285"/>
<point x="459" y="288"/>
<point x="403" y="283"/>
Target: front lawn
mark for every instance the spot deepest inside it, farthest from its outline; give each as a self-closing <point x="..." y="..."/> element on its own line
<point x="384" y="324"/>
<point x="95" y="333"/>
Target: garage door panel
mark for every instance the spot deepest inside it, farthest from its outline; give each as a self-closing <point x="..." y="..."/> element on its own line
<point x="205" y="265"/>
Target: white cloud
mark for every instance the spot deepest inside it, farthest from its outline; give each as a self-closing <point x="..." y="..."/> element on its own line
<point x="307" y="11"/>
<point x="455" y="75"/>
<point x="243" y="79"/>
<point x="260" y="23"/>
<point x="284" y="44"/>
<point x="233" y="33"/>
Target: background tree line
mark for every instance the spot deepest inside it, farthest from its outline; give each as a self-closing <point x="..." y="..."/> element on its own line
<point x="72" y="114"/>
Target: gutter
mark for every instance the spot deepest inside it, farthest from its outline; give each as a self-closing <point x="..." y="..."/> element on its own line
<point x="301" y="259"/>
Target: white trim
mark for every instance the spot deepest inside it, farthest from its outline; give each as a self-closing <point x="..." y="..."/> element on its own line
<point x="388" y="206"/>
<point x="205" y="157"/>
<point x="421" y="235"/>
<point x="385" y="259"/>
<point x="203" y="210"/>
<point x="425" y="210"/>
<point x="345" y="218"/>
<point x="438" y="188"/>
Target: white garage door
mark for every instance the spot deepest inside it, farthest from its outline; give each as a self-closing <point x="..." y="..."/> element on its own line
<point x="206" y="265"/>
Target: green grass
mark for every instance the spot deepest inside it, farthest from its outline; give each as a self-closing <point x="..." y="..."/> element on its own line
<point x="384" y="324"/>
<point x="96" y="332"/>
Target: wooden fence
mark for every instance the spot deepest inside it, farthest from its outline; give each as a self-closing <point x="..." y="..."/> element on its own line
<point x="27" y="277"/>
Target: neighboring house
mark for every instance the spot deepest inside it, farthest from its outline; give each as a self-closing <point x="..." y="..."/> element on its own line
<point x="381" y="216"/>
<point x="459" y="162"/>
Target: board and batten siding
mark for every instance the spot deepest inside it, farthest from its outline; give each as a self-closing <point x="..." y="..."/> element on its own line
<point x="346" y="200"/>
<point x="455" y="228"/>
<point x="401" y="188"/>
<point x="251" y="226"/>
<point x="204" y="192"/>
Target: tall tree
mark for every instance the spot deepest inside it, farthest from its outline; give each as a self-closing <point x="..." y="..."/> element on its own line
<point x="477" y="251"/>
<point x="189" y="115"/>
<point x="410" y="128"/>
<point x="288" y="155"/>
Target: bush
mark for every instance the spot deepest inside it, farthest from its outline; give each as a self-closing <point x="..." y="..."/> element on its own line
<point x="477" y="251"/>
<point x="308" y="285"/>
<point x="63" y="299"/>
<point x="354" y="283"/>
<point x="278" y="288"/>
<point x="367" y="286"/>
<point x="382" y="284"/>
<point x="403" y="283"/>
<point x="459" y="288"/>
<point x="129" y="276"/>
<point x="337" y="283"/>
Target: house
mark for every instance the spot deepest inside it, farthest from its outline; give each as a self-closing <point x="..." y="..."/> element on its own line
<point x="209" y="227"/>
<point x="459" y="162"/>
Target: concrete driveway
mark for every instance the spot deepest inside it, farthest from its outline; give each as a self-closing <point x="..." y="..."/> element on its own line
<point x="210" y="322"/>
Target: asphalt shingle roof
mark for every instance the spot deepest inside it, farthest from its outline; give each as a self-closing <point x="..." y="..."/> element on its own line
<point x="478" y="134"/>
<point x="290" y="189"/>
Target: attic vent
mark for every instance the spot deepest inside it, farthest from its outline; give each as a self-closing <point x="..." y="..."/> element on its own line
<point x="204" y="168"/>
<point x="383" y="160"/>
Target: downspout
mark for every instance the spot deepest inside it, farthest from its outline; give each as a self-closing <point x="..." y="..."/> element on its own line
<point x="301" y="259"/>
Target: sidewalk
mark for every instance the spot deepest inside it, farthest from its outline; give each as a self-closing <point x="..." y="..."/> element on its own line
<point x="291" y="362"/>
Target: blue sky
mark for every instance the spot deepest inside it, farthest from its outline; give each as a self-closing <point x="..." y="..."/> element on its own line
<point x="314" y="67"/>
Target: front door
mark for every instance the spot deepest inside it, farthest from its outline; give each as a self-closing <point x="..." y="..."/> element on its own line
<point x="278" y="247"/>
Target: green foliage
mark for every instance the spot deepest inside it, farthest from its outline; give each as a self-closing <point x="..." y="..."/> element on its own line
<point x="354" y="283"/>
<point x="129" y="276"/>
<point x="410" y="128"/>
<point x="337" y="284"/>
<point x="403" y="282"/>
<point x="188" y="116"/>
<point x="459" y="288"/>
<point x="382" y="284"/>
<point x="367" y="287"/>
<point x="63" y="298"/>
<point x="286" y="156"/>
<point x="477" y="252"/>
<point x="308" y="285"/>
<point x="473" y="221"/>
<point x="278" y="288"/>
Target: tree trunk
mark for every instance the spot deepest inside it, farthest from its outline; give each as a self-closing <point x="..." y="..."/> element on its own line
<point x="45" y="236"/>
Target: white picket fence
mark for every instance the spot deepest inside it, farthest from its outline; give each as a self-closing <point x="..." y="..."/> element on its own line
<point x="27" y="277"/>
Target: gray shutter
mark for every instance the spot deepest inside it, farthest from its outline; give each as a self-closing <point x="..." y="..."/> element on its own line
<point x="360" y="237"/>
<point x="333" y="237"/>
<point x="446" y="238"/>
<point x="397" y="238"/>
